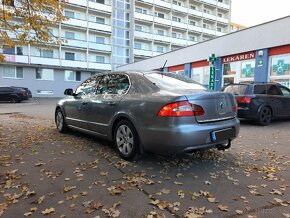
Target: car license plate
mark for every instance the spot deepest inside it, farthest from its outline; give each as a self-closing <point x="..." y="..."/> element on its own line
<point x="223" y="134"/>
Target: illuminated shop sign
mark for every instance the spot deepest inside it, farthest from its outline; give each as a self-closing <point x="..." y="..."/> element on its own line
<point x="239" y="57"/>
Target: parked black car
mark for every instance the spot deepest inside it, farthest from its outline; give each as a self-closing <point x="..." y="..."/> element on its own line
<point x="29" y="94"/>
<point x="12" y="94"/>
<point x="261" y="102"/>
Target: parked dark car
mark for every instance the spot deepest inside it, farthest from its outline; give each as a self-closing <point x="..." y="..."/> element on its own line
<point x="12" y="94"/>
<point x="261" y="102"/>
<point x="29" y="94"/>
<point x="149" y="112"/>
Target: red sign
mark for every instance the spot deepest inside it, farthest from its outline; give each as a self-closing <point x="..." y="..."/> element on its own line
<point x="239" y="57"/>
<point x="10" y="58"/>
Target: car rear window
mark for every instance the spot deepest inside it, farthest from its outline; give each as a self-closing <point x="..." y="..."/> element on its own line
<point x="236" y="89"/>
<point x="172" y="81"/>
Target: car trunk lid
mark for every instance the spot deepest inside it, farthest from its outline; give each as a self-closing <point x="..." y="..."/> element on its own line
<point x="217" y="106"/>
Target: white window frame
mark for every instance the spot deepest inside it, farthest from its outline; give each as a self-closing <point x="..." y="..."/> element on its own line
<point x="44" y="74"/>
<point x="15" y="72"/>
<point x="66" y="76"/>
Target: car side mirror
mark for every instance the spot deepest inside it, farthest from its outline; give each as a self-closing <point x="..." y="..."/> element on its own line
<point x="69" y="92"/>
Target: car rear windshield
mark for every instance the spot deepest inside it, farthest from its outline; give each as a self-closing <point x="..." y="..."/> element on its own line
<point x="172" y="81"/>
<point x="236" y="89"/>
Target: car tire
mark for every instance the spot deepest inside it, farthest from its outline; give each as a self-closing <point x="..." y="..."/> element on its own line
<point x="60" y="121"/>
<point x="265" y="116"/>
<point x="126" y="141"/>
<point x="14" y="100"/>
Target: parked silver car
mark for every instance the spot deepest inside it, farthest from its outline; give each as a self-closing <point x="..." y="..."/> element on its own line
<point x="149" y="111"/>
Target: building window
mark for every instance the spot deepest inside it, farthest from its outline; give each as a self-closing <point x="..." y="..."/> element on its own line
<point x="8" y="50"/>
<point x="160" y="49"/>
<point x="100" y="1"/>
<point x="138" y="46"/>
<point x="69" y="14"/>
<point x="100" y="40"/>
<point x="69" y="35"/>
<point x="100" y="59"/>
<point x="219" y="29"/>
<point x="45" y="53"/>
<point x="138" y="28"/>
<point x="248" y="69"/>
<point x="206" y="11"/>
<point x="221" y="1"/>
<point x="280" y="65"/>
<point x="193" y="7"/>
<point x="69" y="56"/>
<point x="19" y="51"/>
<point x="160" y="32"/>
<point x="12" y="72"/>
<point x="44" y="74"/>
<point x="219" y="14"/>
<point x="100" y="20"/>
<point x="141" y="10"/>
<point x="176" y="19"/>
<point x="191" y="22"/>
<point x="201" y="75"/>
<point x="158" y="14"/>
<point x="205" y="25"/>
<point x="192" y="38"/>
<point x="176" y="2"/>
<point x="72" y="75"/>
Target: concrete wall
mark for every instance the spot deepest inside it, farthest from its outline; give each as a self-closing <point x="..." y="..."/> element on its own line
<point x="266" y="35"/>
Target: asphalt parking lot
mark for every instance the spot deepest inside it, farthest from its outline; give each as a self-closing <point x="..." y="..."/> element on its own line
<point x="45" y="173"/>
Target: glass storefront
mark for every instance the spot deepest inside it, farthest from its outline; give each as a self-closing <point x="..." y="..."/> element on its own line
<point x="280" y="69"/>
<point x="201" y="75"/>
<point x="237" y="72"/>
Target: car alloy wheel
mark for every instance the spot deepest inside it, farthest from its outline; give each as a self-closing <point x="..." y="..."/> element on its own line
<point x="126" y="140"/>
<point x="14" y="100"/>
<point x="60" y="122"/>
<point x="265" y="116"/>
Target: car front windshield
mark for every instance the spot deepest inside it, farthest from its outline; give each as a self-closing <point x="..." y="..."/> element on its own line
<point x="170" y="82"/>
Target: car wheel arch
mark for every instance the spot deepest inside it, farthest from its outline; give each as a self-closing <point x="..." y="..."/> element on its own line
<point x="269" y="106"/>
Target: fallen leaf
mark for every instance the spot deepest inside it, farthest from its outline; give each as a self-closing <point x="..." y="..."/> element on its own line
<point x="211" y="200"/>
<point x="286" y="215"/>
<point x="48" y="211"/>
<point x="239" y="212"/>
<point x="27" y="214"/>
<point x="223" y="208"/>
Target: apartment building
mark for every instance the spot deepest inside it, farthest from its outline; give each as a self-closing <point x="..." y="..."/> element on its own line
<point x="103" y="34"/>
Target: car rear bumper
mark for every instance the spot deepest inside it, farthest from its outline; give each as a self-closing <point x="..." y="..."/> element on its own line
<point x="187" y="137"/>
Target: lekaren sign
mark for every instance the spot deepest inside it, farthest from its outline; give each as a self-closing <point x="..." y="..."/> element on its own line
<point x="239" y="57"/>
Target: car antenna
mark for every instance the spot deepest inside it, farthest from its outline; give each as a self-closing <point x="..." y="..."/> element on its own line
<point x="162" y="69"/>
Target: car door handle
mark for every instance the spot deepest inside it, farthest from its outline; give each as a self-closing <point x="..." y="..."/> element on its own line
<point x="112" y="103"/>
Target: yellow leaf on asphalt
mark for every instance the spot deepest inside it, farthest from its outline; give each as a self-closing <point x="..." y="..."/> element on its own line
<point x="223" y="208"/>
<point x="286" y="215"/>
<point x="239" y="212"/>
<point x="211" y="200"/>
<point x="27" y="214"/>
<point x="48" y="211"/>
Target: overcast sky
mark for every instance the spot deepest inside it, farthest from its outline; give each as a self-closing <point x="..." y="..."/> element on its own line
<point x="254" y="12"/>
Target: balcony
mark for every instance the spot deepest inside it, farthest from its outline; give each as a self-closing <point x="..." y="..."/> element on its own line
<point x="162" y="21"/>
<point x="144" y="17"/>
<point x="179" y="25"/>
<point x="211" y="2"/>
<point x="77" y="64"/>
<point x="99" y="26"/>
<point x="209" y="31"/>
<point x="75" y="22"/>
<point x="194" y="12"/>
<point x="166" y="39"/>
<point x="163" y="4"/>
<point x="75" y="43"/>
<point x="142" y="52"/>
<point x="224" y="6"/>
<point x="100" y="7"/>
<point x="191" y="42"/>
<point x="143" y="35"/>
<point x="100" y="47"/>
<point x="209" y="16"/>
<point x="177" y="41"/>
<point x="150" y="2"/>
<point x="155" y="53"/>
<point x="45" y="61"/>
<point x="99" y="66"/>
<point x="82" y="3"/>
<point x="220" y="33"/>
<point x="16" y="58"/>
<point x="179" y="8"/>
<point x="194" y="28"/>
<point x="223" y="20"/>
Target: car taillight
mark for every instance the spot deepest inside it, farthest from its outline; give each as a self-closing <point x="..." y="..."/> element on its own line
<point x="244" y="99"/>
<point x="181" y="109"/>
<point x="236" y="108"/>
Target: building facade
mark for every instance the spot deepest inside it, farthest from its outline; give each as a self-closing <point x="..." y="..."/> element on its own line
<point x="103" y="34"/>
<point x="260" y="54"/>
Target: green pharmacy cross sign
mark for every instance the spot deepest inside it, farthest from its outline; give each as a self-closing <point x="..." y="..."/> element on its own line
<point x="280" y="67"/>
<point x="212" y="61"/>
<point x="248" y="70"/>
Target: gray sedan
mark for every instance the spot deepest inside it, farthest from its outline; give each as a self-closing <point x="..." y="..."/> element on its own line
<point x="149" y="111"/>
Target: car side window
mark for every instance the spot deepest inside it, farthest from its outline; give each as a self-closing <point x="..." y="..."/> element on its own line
<point x="273" y="90"/>
<point x="88" y="87"/>
<point x="113" y="84"/>
<point x="285" y="91"/>
<point x="260" y="89"/>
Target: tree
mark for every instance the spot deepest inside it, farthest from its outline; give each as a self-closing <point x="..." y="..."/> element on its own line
<point x="27" y="22"/>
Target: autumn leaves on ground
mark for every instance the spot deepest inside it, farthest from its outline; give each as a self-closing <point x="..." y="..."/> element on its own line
<point x="45" y="173"/>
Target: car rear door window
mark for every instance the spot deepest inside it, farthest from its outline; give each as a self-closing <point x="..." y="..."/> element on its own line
<point x="113" y="84"/>
<point x="273" y="90"/>
<point x="285" y="91"/>
<point x="260" y="89"/>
